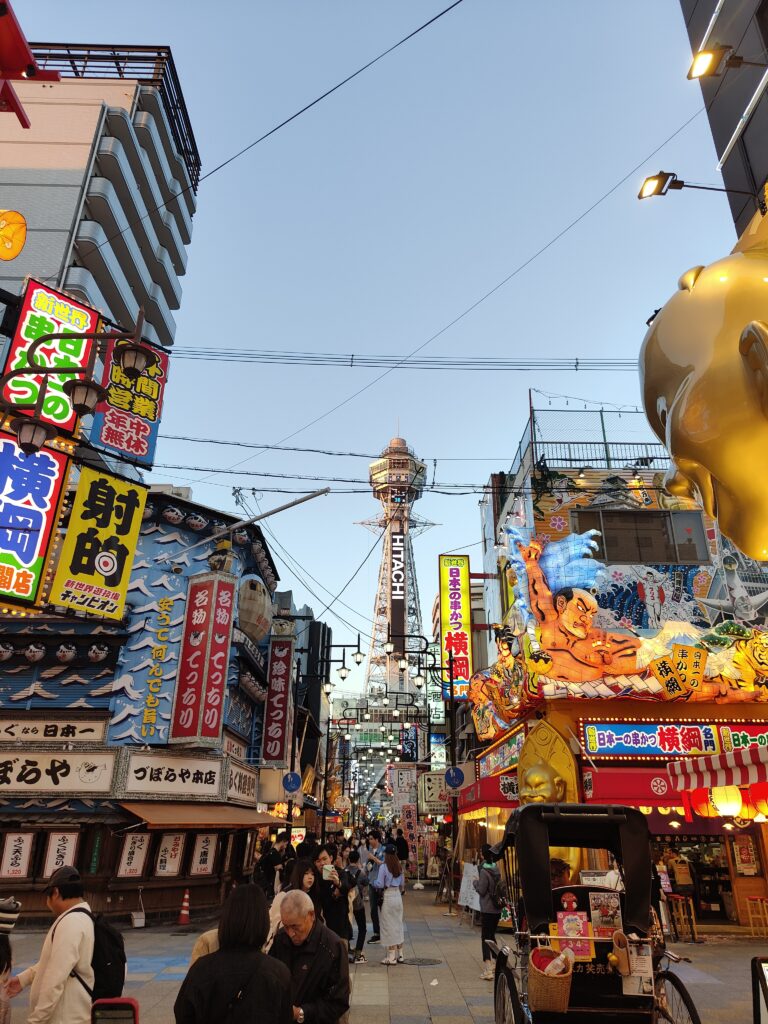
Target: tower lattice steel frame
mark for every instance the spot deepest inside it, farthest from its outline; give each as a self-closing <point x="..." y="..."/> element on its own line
<point x="397" y="479"/>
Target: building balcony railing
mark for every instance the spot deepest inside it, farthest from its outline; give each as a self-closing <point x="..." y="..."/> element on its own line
<point x="151" y="65"/>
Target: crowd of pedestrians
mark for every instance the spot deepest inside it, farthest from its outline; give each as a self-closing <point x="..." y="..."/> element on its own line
<point x="280" y="952"/>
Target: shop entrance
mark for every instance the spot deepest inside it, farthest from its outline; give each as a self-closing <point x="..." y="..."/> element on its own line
<point x="697" y="866"/>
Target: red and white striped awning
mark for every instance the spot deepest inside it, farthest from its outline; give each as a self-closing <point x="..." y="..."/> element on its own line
<point x="737" y="768"/>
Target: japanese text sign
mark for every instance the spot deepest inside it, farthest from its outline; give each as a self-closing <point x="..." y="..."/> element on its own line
<point x="99" y="546"/>
<point x="203" y="660"/>
<point x="643" y="739"/>
<point x="455" y="624"/>
<point x="17" y="849"/>
<point x="23" y="772"/>
<point x="45" y="311"/>
<point x="433" y="794"/>
<point x="169" y="855"/>
<point x="156" y="668"/>
<point x="403" y="787"/>
<point x="203" y="854"/>
<point x="277" y="713"/>
<point x="30" y="488"/>
<point x="128" y="420"/>
<point x="158" y="774"/>
<point x="243" y="784"/>
<point x="435" y="701"/>
<point x="61" y="852"/>
<point x="502" y="756"/>
<point x="410" y="821"/>
<point x="134" y="855"/>
<point x="46" y="730"/>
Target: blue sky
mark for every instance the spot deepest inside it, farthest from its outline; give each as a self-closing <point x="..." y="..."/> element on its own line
<point x="376" y="218"/>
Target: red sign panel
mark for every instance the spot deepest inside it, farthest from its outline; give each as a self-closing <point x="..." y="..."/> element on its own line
<point x="634" y="786"/>
<point x="46" y="311"/>
<point x="218" y="661"/>
<point x="277" y="714"/>
<point x="128" y="420"/>
<point x="203" y="660"/>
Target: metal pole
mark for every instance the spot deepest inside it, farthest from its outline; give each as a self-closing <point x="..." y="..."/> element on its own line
<point x="325" y="774"/>
<point x="294" y="738"/>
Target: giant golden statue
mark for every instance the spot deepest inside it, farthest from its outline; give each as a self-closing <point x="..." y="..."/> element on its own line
<point x="704" y="371"/>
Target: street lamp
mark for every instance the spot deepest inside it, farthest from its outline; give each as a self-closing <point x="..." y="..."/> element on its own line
<point x="663" y="181"/>
<point x="402" y="664"/>
<point x="418" y="680"/>
<point x="389" y="647"/>
<point x="716" y="60"/>
<point x="328" y="687"/>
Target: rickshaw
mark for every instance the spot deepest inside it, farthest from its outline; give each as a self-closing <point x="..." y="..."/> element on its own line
<point x="589" y="919"/>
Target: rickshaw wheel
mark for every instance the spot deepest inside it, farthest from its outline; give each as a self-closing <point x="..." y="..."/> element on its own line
<point x="673" y="1001"/>
<point x="506" y="1000"/>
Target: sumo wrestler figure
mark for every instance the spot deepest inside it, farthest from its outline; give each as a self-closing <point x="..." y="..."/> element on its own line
<point x="571" y="647"/>
<point x="496" y="692"/>
<point x="704" y="376"/>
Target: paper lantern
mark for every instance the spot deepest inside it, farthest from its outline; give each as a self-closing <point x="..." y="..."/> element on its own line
<point x="748" y="810"/>
<point x="758" y="794"/>
<point x="701" y="805"/>
<point x="726" y="800"/>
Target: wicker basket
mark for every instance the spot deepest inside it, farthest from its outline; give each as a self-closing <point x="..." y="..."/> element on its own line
<point x="548" y="991"/>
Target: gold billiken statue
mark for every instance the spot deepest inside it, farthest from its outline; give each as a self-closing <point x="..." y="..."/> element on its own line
<point x="546" y="774"/>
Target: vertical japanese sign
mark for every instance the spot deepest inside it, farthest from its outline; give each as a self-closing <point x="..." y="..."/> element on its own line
<point x="128" y="420"/>
<point x="203" y="854"/>
<point x="46" y="311"/>
<point x="277" y="713"/>
<point x="30" y="489"/>
<point x="455" y="624"/>
<point x="203" y="660"/>
<point x="410" y="820"/>
<point x="134" y="855"/>
<point x="99" y="546"/>
<point x="169" y="855"/>
<point x="17" y="850"/>
<point x="403" y="787"/>
<point x="61" y="852"/>
<point x="398" y="590"/>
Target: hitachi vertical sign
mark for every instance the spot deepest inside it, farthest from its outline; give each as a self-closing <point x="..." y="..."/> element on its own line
<point x="398" y="590"/>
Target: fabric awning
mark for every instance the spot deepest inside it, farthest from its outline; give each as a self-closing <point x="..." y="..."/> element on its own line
<point x="198" y="815"/>
<point x="737" y="768"/>
<point x="637" y="787"/>
<point x="493" y="791"/>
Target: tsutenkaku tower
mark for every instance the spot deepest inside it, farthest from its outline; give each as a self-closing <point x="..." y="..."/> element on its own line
<point x="397" y="480"/>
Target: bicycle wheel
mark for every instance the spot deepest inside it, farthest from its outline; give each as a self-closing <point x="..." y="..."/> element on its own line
<point x="673" y="1001"/>
<point x="507" y="1008"/>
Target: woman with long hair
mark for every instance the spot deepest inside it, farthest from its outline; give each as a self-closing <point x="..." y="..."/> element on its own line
<point x="391" y="881"/>
<point x="303" y="876"/>
<point x="238" y="983"/>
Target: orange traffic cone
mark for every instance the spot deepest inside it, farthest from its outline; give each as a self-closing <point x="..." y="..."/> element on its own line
<point x="184" y="914"/>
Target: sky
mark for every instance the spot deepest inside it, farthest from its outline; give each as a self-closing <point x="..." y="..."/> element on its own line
<point x="375" y="219"/>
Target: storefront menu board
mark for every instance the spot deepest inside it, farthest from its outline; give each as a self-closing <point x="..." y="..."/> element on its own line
<point x="644" y="740"/>
<point x="17" y="849"/>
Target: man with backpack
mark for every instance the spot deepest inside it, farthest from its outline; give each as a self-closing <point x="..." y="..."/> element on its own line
<point x="56" y="996"/>
<point x="488" y="888"/>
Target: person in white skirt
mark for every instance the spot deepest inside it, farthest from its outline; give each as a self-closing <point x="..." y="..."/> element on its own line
<point x="391" y="881"/>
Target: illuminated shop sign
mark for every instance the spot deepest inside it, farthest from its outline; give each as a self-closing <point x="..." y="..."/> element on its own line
<point x="455" y="624"/>
<point x="645" y="739"/>
<point x="502" y="756"/>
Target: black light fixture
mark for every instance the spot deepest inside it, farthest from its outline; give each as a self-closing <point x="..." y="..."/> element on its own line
<point x="660" y="183"/>
<point x="134" y="358"/>
<point x="327" y="687"/>
<point x="84" y="395"/>
<point x="402" y="664"/>
<point x="32" y="433"/>
<point x="389" y="647"/>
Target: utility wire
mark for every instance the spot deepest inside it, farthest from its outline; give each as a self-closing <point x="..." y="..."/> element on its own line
<point x="491" y="291"/>
<point x="272" y="131"/>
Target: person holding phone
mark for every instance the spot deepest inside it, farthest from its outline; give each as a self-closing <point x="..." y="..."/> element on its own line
<point x="238" y="984"/>
<point x="333" y="893"/>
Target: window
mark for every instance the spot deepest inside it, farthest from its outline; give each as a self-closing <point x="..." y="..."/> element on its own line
<point x="631" y="538"/>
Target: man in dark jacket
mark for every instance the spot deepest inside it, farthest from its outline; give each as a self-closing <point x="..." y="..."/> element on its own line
<point x="317" y="960"/>
<point x="403" y="852"/>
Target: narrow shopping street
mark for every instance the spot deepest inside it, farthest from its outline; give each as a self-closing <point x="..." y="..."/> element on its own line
<point x="447" y="992"/>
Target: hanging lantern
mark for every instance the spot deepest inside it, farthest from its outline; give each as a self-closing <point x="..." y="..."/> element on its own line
<point x="758" y="795"/>
<point x="726" y="800"/>
<point x="748" y="810"/>
<point x="701" y="805"/>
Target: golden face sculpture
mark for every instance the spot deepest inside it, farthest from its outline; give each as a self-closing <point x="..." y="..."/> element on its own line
<point x="577" y="613"/>
<point x="541" y="784"/>
<point x="704" y="375"/>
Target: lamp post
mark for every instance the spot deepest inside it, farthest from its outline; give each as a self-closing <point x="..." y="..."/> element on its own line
<point x="663" y="181"/>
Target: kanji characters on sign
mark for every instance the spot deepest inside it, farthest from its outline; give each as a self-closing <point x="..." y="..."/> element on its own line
<point x="128" y="420"/>
<point x="30" y="488"/>
<point x="46" y="311"/>
<point x="455" y="625"/>
<point x="100" y="544"/>
<point x="277" y="711"/>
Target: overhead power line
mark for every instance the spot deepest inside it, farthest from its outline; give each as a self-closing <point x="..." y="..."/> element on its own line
<point x="487" y="364"/>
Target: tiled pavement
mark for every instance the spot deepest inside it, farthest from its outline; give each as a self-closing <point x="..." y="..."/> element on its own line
<point x="448" y="993"/>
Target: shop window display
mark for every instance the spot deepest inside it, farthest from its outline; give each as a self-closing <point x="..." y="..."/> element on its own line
<point x="698" y="867"/>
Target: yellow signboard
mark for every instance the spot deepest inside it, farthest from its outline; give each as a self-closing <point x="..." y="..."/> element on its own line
<point x="455" y="625"/>
<point x="99" y="545"/>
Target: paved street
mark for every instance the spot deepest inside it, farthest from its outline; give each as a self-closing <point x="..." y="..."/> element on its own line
<point x="448" y="993"/>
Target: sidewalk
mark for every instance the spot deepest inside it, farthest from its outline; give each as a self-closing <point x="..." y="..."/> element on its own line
<point x="449" y="992"/>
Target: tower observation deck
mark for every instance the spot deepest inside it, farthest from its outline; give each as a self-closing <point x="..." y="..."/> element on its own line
<point x="397" y="479"/>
